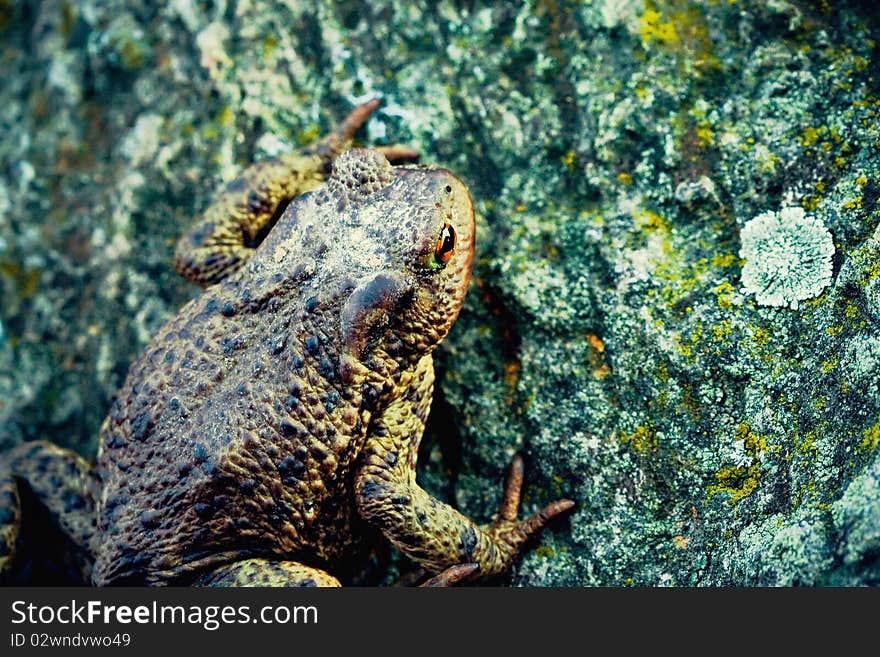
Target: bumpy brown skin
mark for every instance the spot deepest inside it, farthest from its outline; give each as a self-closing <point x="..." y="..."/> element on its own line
<point x="277" y="417"/>
<point x="246" y="209"/>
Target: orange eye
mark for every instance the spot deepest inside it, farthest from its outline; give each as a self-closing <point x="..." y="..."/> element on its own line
<point x="445" y="245"/>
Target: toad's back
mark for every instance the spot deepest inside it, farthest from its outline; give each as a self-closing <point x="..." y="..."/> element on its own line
<point x="234" y="432"/>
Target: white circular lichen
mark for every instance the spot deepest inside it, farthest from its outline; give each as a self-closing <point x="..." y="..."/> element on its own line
<point x="788" y="257"/>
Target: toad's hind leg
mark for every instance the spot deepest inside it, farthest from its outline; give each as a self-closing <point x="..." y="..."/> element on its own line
<point x="47" y="512"/>
<point x="243" y="213"/>
<point x="263" y="572"/>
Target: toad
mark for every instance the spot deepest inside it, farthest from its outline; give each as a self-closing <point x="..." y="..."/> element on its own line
<point x="268" y="434"/>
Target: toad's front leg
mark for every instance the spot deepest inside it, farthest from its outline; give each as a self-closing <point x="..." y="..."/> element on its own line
<point x="432" y="533"/>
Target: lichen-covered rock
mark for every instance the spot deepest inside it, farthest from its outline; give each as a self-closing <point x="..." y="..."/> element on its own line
<point x="616" y="151"/>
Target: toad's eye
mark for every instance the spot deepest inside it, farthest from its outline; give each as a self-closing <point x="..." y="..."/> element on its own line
<point x="445" y="245"/>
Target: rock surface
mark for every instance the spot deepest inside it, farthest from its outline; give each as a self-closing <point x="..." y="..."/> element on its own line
<point x="615" y="150"/>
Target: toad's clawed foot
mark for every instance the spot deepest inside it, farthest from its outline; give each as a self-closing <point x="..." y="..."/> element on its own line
<point x="509" y="533"/>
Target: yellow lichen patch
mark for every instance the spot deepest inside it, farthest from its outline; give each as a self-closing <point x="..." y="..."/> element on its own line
<point x="651" y="221"/>
<point x="654" y="27"/>
<point x="643" y="439"/>
<point x="226" y="117"/>
<point x="722" y="330"/>
<point x="740" y="481"/>
<point x="569" y="160"/>
<point x="753" y="443"/>
<point x="308" y="135"/>
<point x="705" y="137"/>
<point x="871" y="438"/>
<point x="810" y="135"/>
<point x="760" y="337"/>
<point x="269" y="45"/>
<point x="828" y="365"/>
<point x="625" y="178"/>
<point x="663" y="372"/>
<point x="544" y="552"/>
<point x="723" y="260"/>
<point x="724" y="290"/>
<point x="679" y="541"/>
<point x="811" y="202"/>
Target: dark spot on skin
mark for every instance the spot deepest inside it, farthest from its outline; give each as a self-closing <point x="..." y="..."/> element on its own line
<point x="297" y="362"/>
<point x="400" y="500"/>
<point x="256" y="202"/>
<point x="313" y="346"/>
<point x="238" y="185"/>
<point x="243" y="523"/>
<point x="174" y="403"/>
<point x="211" y="305"/>
<point x="290" y="403"/>
<point x="169" y="356"/>
<point x="198" y="236"/>
<point x="140" y="426"/>
<point x="327" y="368"/>
<point x="183" y="469"/>
<point x="410" y="539"/>
<point x="200" y="452"/>
<point x="467" y="542"/>
<point x="308" y="582"/>
<point x="391" y="459"/>
<point x="200" y="341"/>
<point x="227" y="309"/>
<point x="247" y="486"/>
<point x="291" y="467"/>
<point x="202" y="510"/>
<point x="287" y="428"/>
<point x="331" y="401"/>
<point x="230" y="344"/>
<point x="73" y="501"/>
<point x="369" y="396"/>
<point x="149" y="519"/>
<point x="311" y="304"/>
